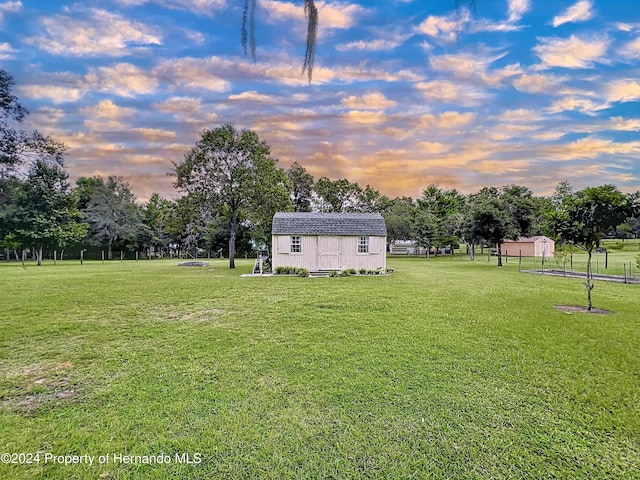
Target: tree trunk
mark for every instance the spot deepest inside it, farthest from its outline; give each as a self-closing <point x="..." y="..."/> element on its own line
<point x="232" y="238"/>
<point x="39" y="255"/>
<point x="589" y="282"/>
<point x="109" y="253"/>
<point x="499" y="254"/>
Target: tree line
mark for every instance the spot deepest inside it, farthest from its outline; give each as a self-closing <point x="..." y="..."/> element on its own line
<point x="231" y="187"/>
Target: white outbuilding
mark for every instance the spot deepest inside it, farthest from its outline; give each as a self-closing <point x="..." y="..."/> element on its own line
<point x="329" y="241"/>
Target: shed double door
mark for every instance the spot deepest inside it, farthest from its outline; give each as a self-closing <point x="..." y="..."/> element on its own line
<point x="329" y="253"/>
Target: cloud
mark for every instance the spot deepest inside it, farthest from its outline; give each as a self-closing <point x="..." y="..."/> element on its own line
<point x="537" y="83"/>
<point x="466" y="95"/>
<point x="581" y="104"/>
<point x="101" y="34"/>
<point x="573" y="52"/>
<point x="377" y="45"/>
<point x="623" y="91"/>
<point x="6" y="52"/>
<point x="108" y="110"/>
<point x="252" y="96"/>
<point x="445" y="28"/>
<point x="205" y="7"/>
<point x="517" y="8"/>
<point x="9" y="7"/>
<point x="364" y="117"/>
<point x="447" y="120"/>
<point x="631" y="50"/>
<point x="332" y="15"/>
<point x="578" y="12"/>
<point x="56" y="93"/>
<point x="192" y="73"/>
<point x="122" y="79"/>
<point x="373" y="101"/>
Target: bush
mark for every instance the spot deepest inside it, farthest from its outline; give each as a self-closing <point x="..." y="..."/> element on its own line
<point x="363" y="271"/>
<point x="302" y="272"/>
<point x="638" y="260"/>
<point x="334" y="273"/>
<point x="350" y="271"/>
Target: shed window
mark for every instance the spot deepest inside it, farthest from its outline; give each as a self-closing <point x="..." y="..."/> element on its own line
<point x="296" y="244"/>
<point x="363" y="244"/>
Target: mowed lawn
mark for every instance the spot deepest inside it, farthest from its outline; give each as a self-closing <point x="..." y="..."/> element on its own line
<point x="443" y="369"/>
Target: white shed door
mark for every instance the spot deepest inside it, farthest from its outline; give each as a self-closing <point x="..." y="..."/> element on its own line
<point x="329" y="253"/>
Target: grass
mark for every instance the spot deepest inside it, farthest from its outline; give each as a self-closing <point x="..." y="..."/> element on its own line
<point x="444" y="369"/>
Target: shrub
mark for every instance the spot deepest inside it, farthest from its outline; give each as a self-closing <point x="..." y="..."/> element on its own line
<point x="334" y="273"/>
<point x="638" y="260"/>
<point x="363" y="271"/>
<point x="302" y="272"/>
<point x="350" y="271"/>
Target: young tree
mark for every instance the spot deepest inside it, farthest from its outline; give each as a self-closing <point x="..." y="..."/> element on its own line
<point x="442" y="210"/>
<point x="586" y="216"/>
<point x="232" y="173"/>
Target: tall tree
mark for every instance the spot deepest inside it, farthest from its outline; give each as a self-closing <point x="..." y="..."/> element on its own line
<point x="231" y="173"/>
<point x="301" y="187"/>
<point x="336" y="195"/>
<point x="47" y="210"/>
<point x="112" y="213"/>
<point x="586" y="216"/>
<point x="441" y="211"/>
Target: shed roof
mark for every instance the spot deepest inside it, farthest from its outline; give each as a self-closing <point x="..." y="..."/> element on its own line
<point x="300" y="223"/>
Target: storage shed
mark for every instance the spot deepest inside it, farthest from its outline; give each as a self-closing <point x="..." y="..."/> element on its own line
<point x="539" y="246"/>
<point x="329" y="241"/>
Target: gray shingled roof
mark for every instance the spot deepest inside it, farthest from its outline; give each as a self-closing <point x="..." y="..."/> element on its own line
<point x="290" y="223"/>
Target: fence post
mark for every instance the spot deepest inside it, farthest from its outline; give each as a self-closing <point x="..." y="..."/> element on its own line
<point x="520" y="260"/>
<point x="102" y="256"/>
<point x="543" y="263"/>
<point x="625" y="273"/>
<point x="81" y="256"/>
<point x="571" y="258"/>
<point x="606" y="259"/>
<point x="121" y="256"/>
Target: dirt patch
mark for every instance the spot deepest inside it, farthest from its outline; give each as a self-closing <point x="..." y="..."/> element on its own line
<point x="37" y="385"/>
<point x="577" y="309"/>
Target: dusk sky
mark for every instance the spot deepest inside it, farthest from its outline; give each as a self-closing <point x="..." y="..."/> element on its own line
<point x="404" y="93"/>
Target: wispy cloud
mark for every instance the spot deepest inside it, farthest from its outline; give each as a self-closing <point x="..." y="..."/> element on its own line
<point x="572" y="52"/>
<point x="580" y="11"/>
<point x="517" y="8"/>
<point x="100" y="33"/>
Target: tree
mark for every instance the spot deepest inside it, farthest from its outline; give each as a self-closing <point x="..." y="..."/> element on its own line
<point x="441" y="211"/>
<point x="586" y="216"/>
<point x="398" y="219"/>
<point x="494" y="215"/>
<point x="232" y="174"/>
<point x="18" y="147"/>
<point x="301" y="187"/>
<point x="336" y="195"/>
<point x="112" y="213"/>
<point x="47" y="210"/>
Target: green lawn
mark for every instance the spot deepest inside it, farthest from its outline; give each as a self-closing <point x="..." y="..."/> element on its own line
<point x="443" y="369"/>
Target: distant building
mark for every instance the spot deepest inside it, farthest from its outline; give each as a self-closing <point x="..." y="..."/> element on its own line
<point x="329" y="241"/>
<point x="406" y="247"/>
<point x="539" y="246"/>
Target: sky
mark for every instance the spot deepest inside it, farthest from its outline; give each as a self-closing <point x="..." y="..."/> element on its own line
<point x="405" y="93"/>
